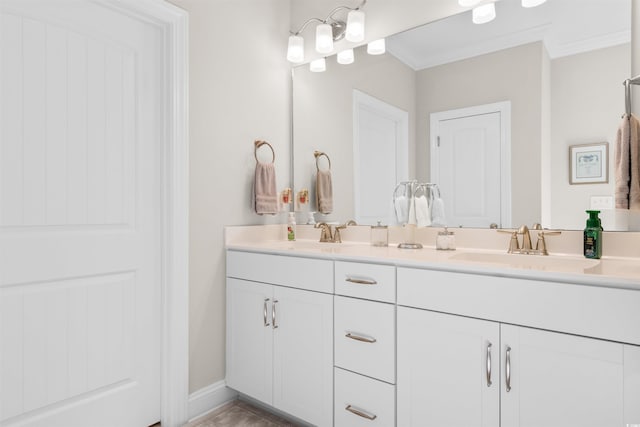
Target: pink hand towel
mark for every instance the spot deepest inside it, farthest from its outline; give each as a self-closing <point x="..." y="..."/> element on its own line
<point x="324" y="192"/>
<point x="622" y="164"/>
<point x="634" y="172"/>
<point x="264" y="188"/>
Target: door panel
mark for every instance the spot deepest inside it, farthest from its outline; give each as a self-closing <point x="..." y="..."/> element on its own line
<point x="442" y="370"/>
<point x="303" y="355"/>
<point x="79" y="231"/>
<point x="469" y="169"/>
<point x="548" y="382"/>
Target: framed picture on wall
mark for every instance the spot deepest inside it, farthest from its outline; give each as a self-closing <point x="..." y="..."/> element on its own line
<point x="589" y="163"/>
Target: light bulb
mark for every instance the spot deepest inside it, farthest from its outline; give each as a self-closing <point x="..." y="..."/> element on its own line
<point x="484" y="13"/>
<point x="324" y="38"/>
<point x="376" y="47"/>
<point x="468" y="3"/>
<point x="532" y="3"/>
<point x="355" y="26"/>
<point x="345" y="57"/>
<point x="318" y="66"/>
<point x="295" y="51"/>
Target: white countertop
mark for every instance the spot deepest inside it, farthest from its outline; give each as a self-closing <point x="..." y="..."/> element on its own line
<point x="616" y="272"/>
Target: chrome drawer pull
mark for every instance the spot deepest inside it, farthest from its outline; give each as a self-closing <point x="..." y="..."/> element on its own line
<point x="489" y="365"/>
<point x="273" y="314"/>
<point x="508" y="369"/>
<point x="361" y="281"/>
<point x="360" y="338"/>
<point x="264" y="312"/>
<point x="360" y="413"/>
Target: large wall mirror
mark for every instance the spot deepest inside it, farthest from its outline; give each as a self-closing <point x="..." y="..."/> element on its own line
<point x="556" y="71"/>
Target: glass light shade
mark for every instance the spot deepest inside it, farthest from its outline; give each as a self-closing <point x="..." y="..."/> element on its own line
<point x="484" y="13"/>
<point x="468" y="3"/>
<point x="295" y="51"/>
<point x="345" y="57"/>
<point x="377" y="47"/>
<point x="318" y="66"/>
<point x="532" y="3"/>
<point x="324" y="38"/>
<point x="355" y="26"/>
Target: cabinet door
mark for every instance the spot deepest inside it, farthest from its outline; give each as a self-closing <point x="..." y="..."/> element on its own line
<point x="303" y="354"/>
<point x="249" y="338"/>
<point x="561" y="380"/>
<point x="444" y="363"/>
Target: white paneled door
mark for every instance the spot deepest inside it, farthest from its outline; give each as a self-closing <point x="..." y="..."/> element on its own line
<point x="80" y="229"/>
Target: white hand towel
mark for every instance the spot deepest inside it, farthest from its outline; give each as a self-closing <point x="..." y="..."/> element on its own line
<point x="402" y="209"/>
<point x="423" y="214"/>
<point x="437" y="211"/>
<point x="412" y="212"/>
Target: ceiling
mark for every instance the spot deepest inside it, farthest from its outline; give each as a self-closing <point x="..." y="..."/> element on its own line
<point x="566" y="27"/>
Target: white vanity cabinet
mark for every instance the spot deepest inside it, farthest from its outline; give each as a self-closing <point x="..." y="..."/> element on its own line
<point x="364" y="344"/>
<point x="455" y="370"/>
<point x="280" y="338"/>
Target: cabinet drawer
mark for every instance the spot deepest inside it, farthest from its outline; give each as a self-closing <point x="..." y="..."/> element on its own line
<point x="365" y="398"/>
<point x="591" y="311"/>
<point x="295" y="272"/>
<point x="369" y="281"/>
<point x="364" y="337"/>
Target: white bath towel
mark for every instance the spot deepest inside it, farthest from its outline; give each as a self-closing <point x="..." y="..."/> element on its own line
<point x="423" y="213"/>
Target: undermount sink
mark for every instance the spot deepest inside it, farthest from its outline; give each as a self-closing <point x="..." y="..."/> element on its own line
<point x="535" y="262"/>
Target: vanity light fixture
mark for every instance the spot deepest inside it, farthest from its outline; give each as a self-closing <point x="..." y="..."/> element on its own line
<point x="330" y="29"/>
<point x="376" y="47"/>
<point x="345" y="57"/>
<point x="318" y="66"/>
<point x="484" y="13"/>
<point x="532" y="3"/>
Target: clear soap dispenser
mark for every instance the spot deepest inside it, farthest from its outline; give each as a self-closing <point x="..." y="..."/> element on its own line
<point x="379" y="235"/>
<point x="446" y="240"/>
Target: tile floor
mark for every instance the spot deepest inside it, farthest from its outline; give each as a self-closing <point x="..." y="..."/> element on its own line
<point x="240" y="414"/>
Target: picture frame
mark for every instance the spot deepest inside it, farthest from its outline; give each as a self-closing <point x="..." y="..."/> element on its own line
<point x="589" y="163"/>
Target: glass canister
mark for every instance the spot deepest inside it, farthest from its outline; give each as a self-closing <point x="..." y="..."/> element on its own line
<point x="379" y="235"/>
<point x="446" y="240"/>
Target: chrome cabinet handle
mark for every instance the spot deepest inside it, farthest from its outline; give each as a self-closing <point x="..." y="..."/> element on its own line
<point x="508" y="368"/>
<point x="361" y="281"/>
<point x="273" y="314"/>
<point x="489" y="365"/>
<point x="360" y="413"/>
<point x="264" y="312"/>
<point x="360" y="338"/>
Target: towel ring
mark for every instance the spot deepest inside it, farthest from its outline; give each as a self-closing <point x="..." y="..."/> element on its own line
<point x="258" y="143"/>
<point x="317" y="154"/>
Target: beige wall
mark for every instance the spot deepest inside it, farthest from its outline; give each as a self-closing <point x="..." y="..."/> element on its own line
<point x="587" y="103"/>
<point x="239" y="91"/>
<point x="323" y="113"/>
<point x="509" y="75"/>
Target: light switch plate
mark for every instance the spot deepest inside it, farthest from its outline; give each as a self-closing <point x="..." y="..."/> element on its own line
<point x="601" y="202"/>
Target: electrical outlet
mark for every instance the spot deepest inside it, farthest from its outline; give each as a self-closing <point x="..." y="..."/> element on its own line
<point x="601" y="202"/>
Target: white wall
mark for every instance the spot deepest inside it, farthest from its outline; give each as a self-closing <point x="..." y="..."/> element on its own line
<point x="587" y="102"/>
<point x="239" y="91"/>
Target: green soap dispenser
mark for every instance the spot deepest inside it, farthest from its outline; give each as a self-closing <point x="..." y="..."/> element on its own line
<point x="593" y="236"/>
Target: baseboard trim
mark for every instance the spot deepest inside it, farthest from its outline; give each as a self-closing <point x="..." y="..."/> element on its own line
<point x="209" y="398"/>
